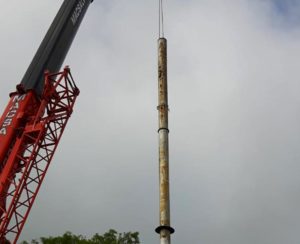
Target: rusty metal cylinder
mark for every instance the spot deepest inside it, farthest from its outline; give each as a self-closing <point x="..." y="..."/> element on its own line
<point x="164" y="195"/>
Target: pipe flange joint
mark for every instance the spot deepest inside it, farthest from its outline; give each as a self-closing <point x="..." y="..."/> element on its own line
<point x="164" y="227"/>
<point x="162" y="107"/>
<point x="163" y="128"/>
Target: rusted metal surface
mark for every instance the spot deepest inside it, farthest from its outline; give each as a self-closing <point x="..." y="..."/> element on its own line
<point x="164" y="198"/>
<point x="165" y="236"/>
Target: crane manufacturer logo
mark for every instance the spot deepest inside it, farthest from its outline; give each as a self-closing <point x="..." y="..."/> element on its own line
<point x="77" y="11"/>
<point x="11" y="113"/>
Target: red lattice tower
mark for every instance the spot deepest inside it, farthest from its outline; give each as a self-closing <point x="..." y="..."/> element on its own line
<point x="28" y="159"/>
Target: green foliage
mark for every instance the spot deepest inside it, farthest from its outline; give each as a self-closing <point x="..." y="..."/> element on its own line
<point x="110" y="237"/>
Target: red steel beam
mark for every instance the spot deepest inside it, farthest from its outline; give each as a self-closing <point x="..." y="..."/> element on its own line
<point x="38" y="125"/>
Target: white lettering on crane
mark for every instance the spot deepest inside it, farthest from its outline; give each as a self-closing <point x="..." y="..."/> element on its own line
<point x="77" y="11"/>
<point x="11" y="113"/>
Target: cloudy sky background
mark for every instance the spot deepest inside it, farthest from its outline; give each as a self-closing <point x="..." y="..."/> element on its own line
<point x="234" y="84"/>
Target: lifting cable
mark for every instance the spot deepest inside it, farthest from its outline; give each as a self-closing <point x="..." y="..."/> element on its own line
<point x="161" y="19"/>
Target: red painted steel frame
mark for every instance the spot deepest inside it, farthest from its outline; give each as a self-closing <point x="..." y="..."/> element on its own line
<point x="31" y="152"/>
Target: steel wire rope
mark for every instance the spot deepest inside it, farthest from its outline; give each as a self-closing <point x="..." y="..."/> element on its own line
<point x="160" y="19"/>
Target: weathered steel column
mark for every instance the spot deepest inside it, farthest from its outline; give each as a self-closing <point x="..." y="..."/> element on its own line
<point x="165" y="229"/>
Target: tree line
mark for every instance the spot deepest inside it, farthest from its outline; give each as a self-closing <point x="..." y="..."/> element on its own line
<point x="110" y="237"/>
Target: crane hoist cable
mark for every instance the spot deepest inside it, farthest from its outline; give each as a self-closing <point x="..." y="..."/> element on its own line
<point x="160" y="19"/>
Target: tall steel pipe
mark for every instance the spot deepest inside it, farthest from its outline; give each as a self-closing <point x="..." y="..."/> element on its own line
<point x="165" y="230"/>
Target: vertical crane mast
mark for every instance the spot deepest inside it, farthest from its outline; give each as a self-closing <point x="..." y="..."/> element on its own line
<point x="164" y="230"/>
<point x="34" y="120"/>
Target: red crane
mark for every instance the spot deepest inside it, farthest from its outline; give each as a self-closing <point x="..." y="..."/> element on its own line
<point x="34" y="120"/>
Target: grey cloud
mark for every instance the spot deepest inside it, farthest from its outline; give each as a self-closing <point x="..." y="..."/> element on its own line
<point x="234" y="120"/>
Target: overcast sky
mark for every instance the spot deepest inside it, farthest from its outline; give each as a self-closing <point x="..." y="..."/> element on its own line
<point x="234" y="85"/>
